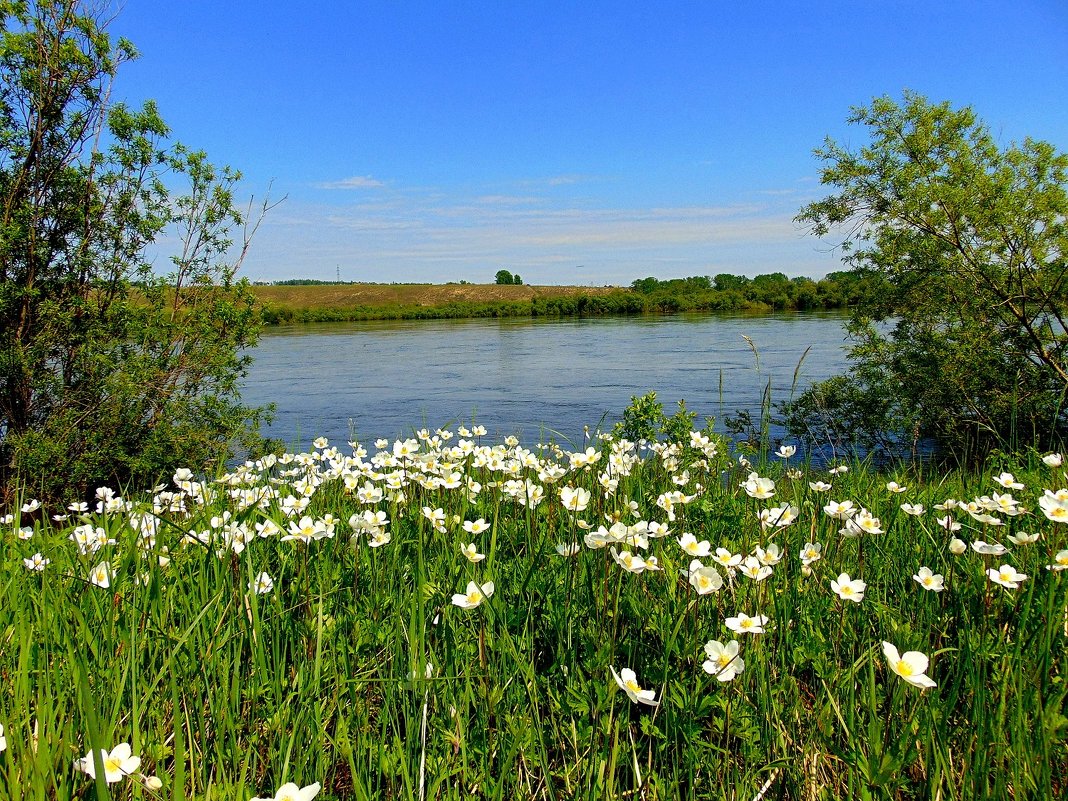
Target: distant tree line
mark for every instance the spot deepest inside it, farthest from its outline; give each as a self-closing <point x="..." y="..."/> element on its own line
<point x="770" y="292"/>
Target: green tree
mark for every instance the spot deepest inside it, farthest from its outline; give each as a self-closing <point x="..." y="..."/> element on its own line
<point x="725" y="282"/>
<point x="517" y="280"/>
<point x="966" y="244"/>
<point x="504" y="277"/>
<point x="645" y="285"/>
<point x="109" y="372"/>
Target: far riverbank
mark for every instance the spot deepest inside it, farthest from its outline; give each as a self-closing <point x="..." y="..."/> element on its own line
<point x="317" y="303"/>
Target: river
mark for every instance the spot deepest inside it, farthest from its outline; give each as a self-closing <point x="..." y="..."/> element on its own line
<point x="531" y="377"/>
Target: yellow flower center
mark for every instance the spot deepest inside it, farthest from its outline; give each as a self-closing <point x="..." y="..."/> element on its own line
<point x="724" y="660"/>
<point x="474" y="597"/>
<point x="747" y="623"/>
<point x="847" y="590"/>
<point x="904" y="668"/>
<point x="112" y="764"/>
<point x="633" y="686"/>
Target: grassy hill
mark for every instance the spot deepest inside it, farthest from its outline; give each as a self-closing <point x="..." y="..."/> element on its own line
<point x="327" y="302"/>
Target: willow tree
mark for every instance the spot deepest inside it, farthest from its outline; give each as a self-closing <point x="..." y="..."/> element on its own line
<point x="111" y="369"/>
<point x="966" y="340"/>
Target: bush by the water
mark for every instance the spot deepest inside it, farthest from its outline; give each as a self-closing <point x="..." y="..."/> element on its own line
<point x="965" y="343"/>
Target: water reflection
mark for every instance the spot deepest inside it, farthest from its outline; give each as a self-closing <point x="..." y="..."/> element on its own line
<point x="387" y="378"/>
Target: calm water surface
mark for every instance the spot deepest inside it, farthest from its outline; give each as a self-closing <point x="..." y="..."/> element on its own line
<point x="529" y="377"/>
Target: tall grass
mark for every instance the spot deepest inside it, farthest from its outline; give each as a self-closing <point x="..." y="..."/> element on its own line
<point x="357" y="671"/>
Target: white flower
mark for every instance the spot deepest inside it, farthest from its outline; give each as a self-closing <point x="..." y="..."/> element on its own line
<point x="727" y="559"/>
<point x="118" y="764"/>
<point x="436" y="518"/>
<point x="848" y="589"/>
<point x="811" y="552"/>
<point x="704" y="579"/>
<point x="262" y="584"/>
<point x="743" y="624"/>
<point x="752" y="568"/>
<point x="1054" y="507"/>
<point x="989" y="548"/>
<point x="474" y="596"/>
<point x="567" y="549"/>
<point x="819" y="486"/>
<point x="863" y="523"/>
<point x="476" y="526"/>
<point x="36" y="563"/>
<point x="786" y="451"/>
<point x="893" y="486"/>
<point x="628" y="682"/>
<point x="291" y="792"/>
<point x="778" y="516"/>
<point x="688" y="542"/>
<point x="471" y="552"/>
<point x="723" y="661"/>
<point x="934" y="582"/>
<point x="1023" y="538"/>
<point x="957" y="546"/>
<point x="769" y="556"/>
<point x="3" y="740"/>
<point x="1006" y="576"/>
<point x="840" y="510"/>
<point x="948" y="523"/>
<point x="101" y="575"/>
<point x="757" y="487"/>
<point x="1060" y="561"/>
<point x="1052" y="460"/>
<point x="628" y="561"/>
<point x="379" y="537"/>
<point x="914" y="509"/>
<point x="1008" y="481"/>
<point x="574" y="500"/>
<point x="911" y="665"/>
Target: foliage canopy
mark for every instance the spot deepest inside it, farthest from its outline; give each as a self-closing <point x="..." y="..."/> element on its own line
<point x="507" y="277"/>
<point x="965" y="341"/>
<point x="109" y="371"/>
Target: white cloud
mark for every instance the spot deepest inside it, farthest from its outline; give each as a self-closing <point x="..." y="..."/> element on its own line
<point x="355" y="182"/>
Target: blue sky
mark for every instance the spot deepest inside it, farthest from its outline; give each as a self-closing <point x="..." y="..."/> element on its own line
<point x="589" y="143"/>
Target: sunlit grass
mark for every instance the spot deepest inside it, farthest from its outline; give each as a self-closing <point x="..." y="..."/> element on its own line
<point x="447" y="618"/>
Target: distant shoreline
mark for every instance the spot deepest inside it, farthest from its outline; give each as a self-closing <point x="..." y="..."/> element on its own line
<point x="289" y="304"/>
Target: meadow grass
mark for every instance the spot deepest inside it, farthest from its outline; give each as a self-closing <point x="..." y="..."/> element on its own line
<point x="311" y="619"/>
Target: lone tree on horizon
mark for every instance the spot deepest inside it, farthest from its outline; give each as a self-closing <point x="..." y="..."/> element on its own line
<point x="506" y="277"/>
